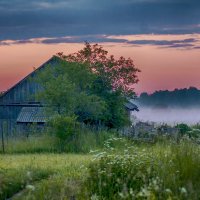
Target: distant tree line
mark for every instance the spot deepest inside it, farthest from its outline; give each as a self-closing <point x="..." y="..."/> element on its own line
<point x="187" y="97"/>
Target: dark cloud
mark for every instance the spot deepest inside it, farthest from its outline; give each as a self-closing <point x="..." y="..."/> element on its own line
<point x="2" y="43"/>
<point x="191" y="43"/>
<point x="178" y="44"/>
<point x="184" y="46"/>
<point x="163" y="42"/>
<point x="22" y="19"/>
<point x="92" y="38"/>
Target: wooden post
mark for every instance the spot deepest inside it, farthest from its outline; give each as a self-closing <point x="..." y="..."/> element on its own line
<point x="2" y="139"/>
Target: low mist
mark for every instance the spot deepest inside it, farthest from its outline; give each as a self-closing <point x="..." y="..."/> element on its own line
<point x="170" y="116"/>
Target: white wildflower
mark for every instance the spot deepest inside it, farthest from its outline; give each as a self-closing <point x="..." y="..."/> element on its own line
<point x="183" y="190"/>
<point x="30" y="187"/>
<point x="168" y="191"/>
<point x="94" y="197"/>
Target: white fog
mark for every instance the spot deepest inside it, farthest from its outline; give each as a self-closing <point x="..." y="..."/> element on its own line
<point x="170" y="116"/>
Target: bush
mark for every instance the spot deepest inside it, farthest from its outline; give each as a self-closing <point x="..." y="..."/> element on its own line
<point x="183" y="128"/>
<point x="194" y="133"/>
<point x="64" y="127"/>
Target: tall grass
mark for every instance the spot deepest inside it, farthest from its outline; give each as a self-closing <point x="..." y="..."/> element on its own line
<point x="153" y="172"/>
<point x="180" y="170"/>
<point x="32" y="144"/>
<point x="46" y="143"/>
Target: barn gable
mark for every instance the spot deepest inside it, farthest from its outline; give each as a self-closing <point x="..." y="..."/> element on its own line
<point x="21" y="97"/>
<point x="25" y="90"/>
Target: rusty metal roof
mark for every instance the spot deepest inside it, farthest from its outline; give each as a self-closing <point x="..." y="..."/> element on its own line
<point x="32" y="115"/>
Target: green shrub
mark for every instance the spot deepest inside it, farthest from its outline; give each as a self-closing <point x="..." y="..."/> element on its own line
<point x="183" y="128"/>
<point x="196" y="126"/>
<point x="194" y="133"/>
<point x="86" y="140"/>
<point x="64" y="127"/>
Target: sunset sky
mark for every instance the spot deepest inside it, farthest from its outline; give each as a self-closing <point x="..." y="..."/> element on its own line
<point x="162" y="36"/>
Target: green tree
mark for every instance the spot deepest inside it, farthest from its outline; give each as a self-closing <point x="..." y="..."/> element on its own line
<point x="90" y="85"/>
<point x="67" y="90"/>
<point x="116" y="74"/>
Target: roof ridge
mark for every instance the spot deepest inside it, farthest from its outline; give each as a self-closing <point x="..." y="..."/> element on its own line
<point x="40" y="67"/>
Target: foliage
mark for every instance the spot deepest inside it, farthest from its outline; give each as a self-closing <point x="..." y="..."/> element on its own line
<point x="89" y="84"/>
<point x="194" y="134"/>
<point x="183" y="128"/>
<point x="66" y="86"/>
<point x="120" y="74"/>
<point x="179" y="97"/>
<point x="80" y="142"/>
<point x="161" y="171"/>
<point x="64" y="127"/>
<point x="196" y="126"/>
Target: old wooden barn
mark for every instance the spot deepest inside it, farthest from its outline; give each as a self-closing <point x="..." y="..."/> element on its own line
<point x="19" y="107"/>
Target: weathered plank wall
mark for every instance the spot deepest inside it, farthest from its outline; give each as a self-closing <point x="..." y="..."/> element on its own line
<point x="21" y="95"/>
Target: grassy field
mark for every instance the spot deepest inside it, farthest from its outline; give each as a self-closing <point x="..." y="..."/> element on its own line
<point x="120" y="169"/>
<point x="41" y="176"/>
<point x="165" y="170"/>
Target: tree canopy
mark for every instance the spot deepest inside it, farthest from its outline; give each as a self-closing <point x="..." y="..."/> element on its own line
<point x="120" y="73"/>
<point x="90" y="85"/>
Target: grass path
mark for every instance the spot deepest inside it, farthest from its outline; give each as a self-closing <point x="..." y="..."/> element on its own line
<point x="39" y="176"/>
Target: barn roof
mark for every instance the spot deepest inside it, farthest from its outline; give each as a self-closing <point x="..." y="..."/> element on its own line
<point x="32" y="115"/>
<point x="131" y="106"/>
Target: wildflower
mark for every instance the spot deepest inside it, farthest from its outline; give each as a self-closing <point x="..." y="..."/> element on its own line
<point x="93" y="151"/>
<point x="28" y="174"/>
<point x="131" y="192"/>
<point x="168" y="191"/>
<point x="183" y="190"/>
<point x="30" y="187"/>
<point x="94" y="197"/>
<point x="144" y="193"/>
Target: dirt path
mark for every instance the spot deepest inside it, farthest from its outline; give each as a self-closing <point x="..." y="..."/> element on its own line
<point x="31" y="186"/>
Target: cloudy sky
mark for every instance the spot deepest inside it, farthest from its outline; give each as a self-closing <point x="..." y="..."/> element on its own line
<point x="162" y="36"/>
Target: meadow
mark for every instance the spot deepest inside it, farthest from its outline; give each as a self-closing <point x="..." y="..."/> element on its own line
<point x="113" y="167"/>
